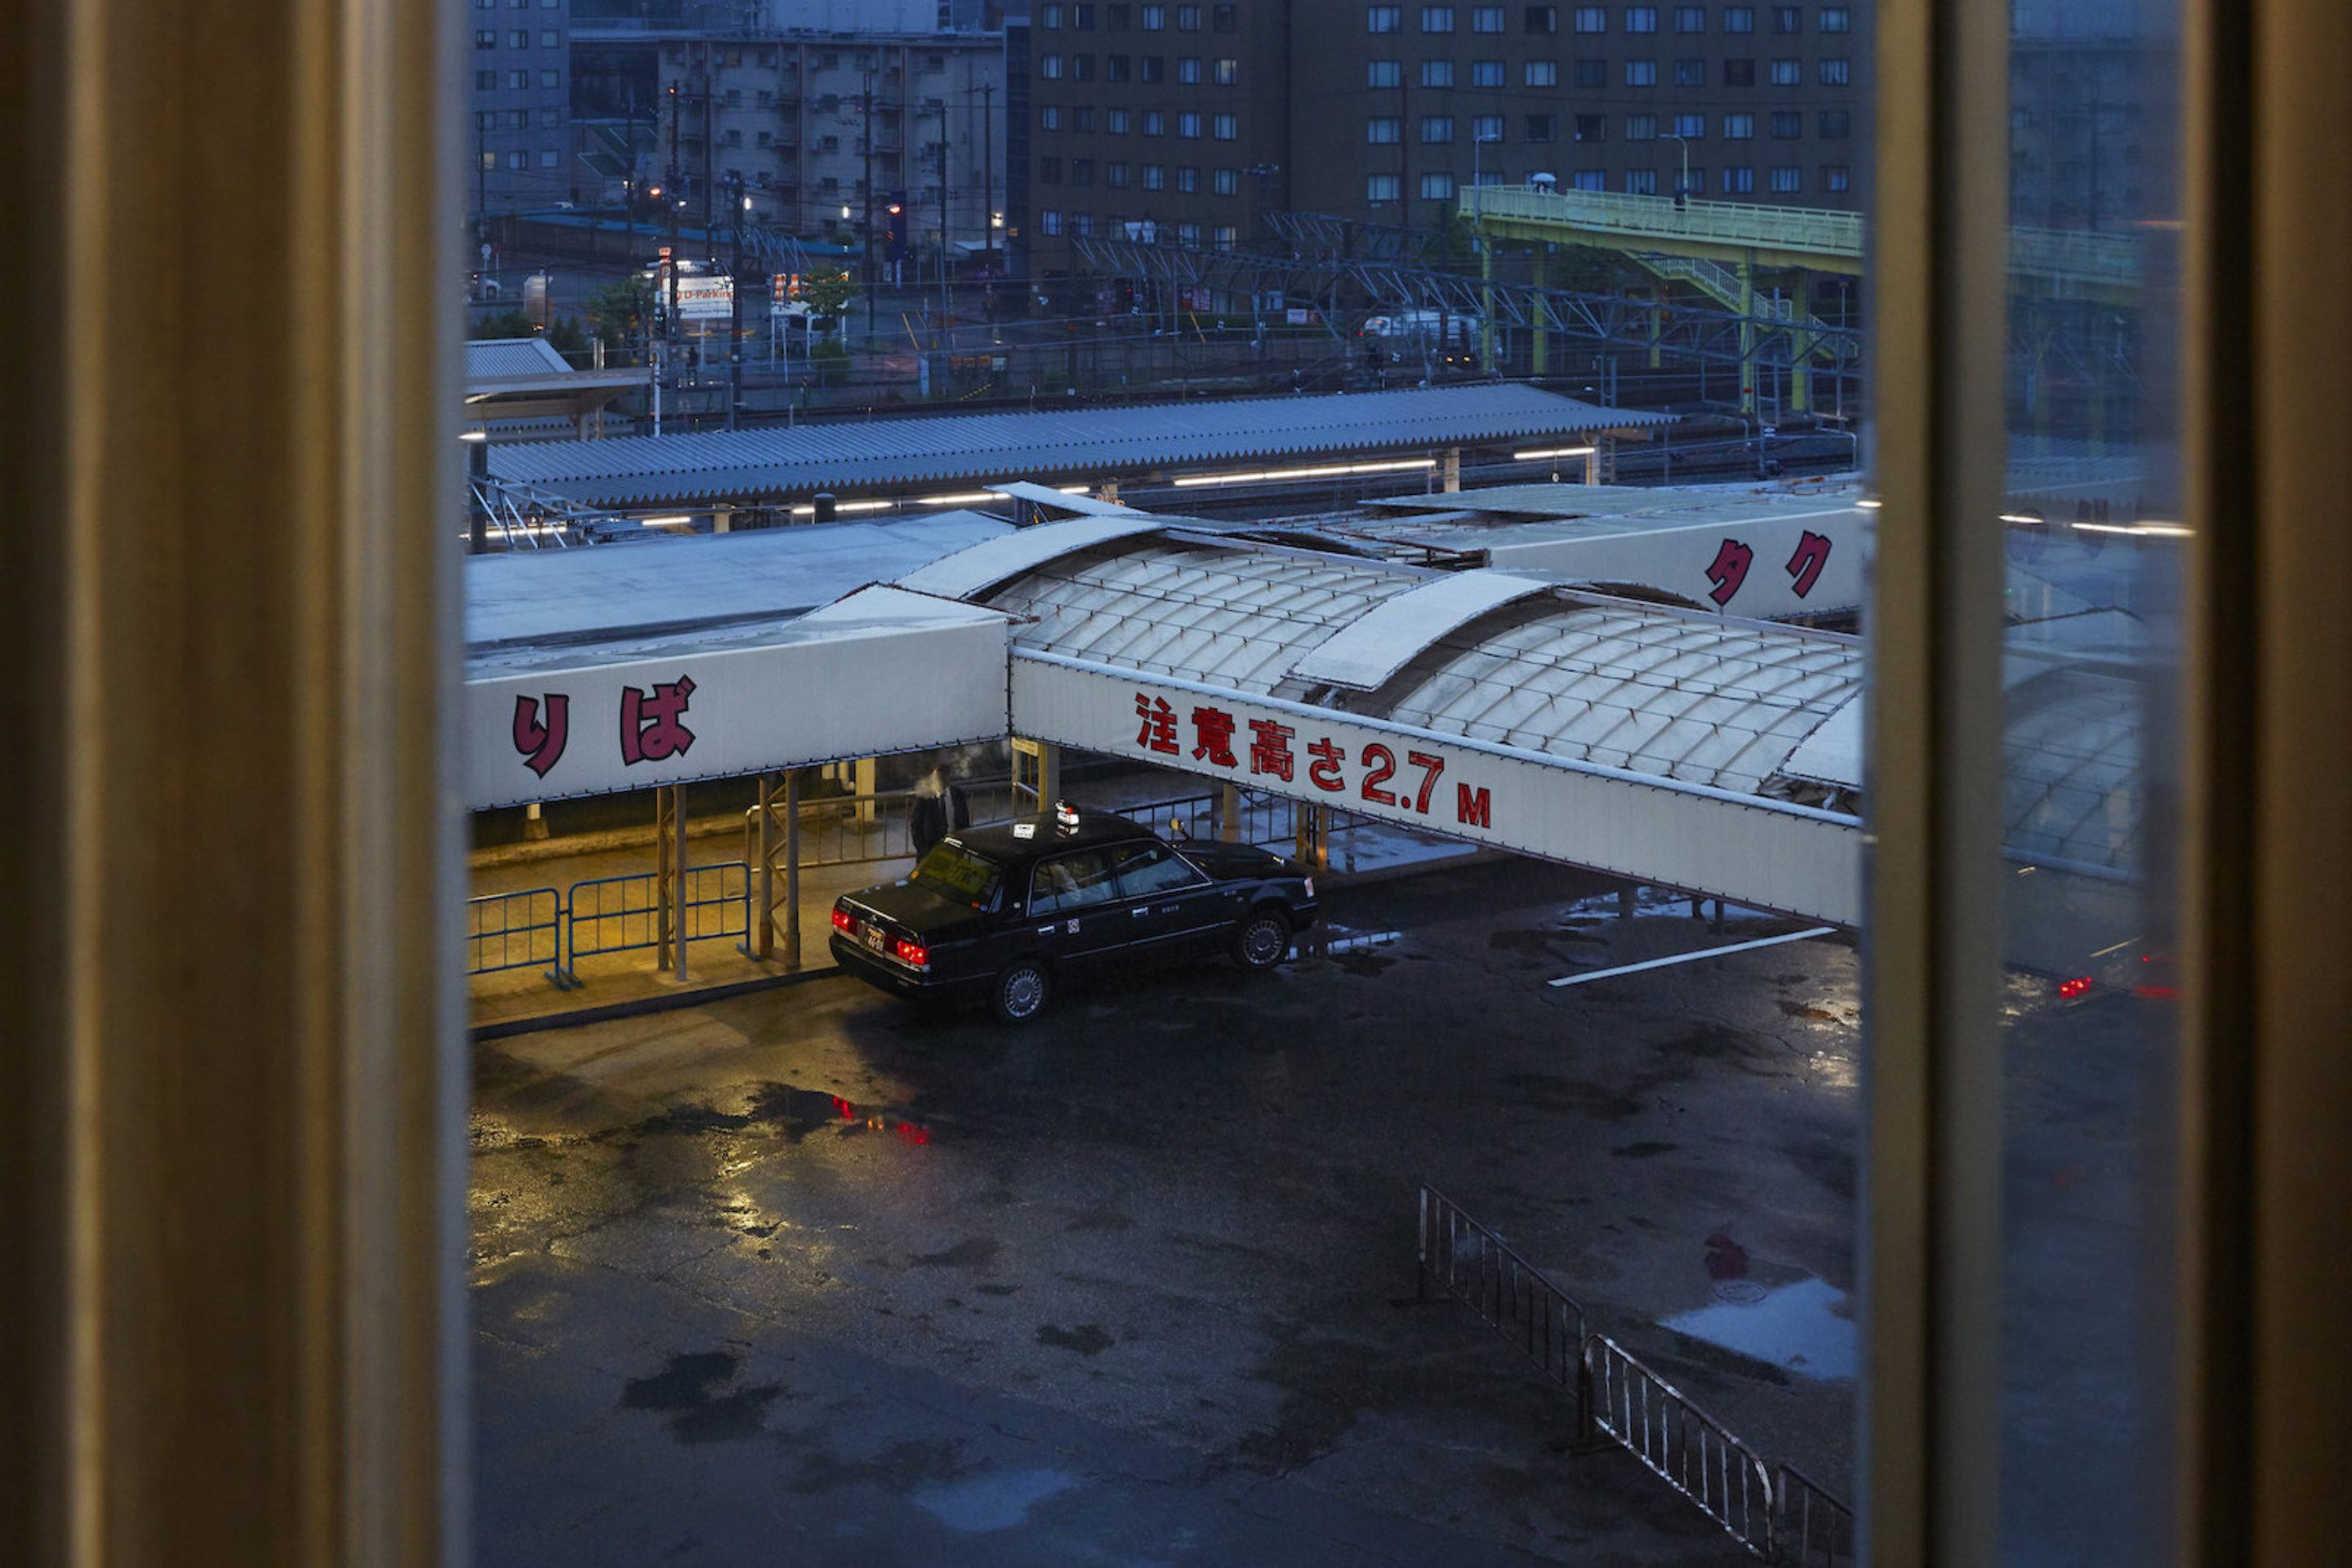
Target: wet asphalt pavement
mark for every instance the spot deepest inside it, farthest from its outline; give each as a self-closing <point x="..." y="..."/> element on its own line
<point x="811" y="1275"/>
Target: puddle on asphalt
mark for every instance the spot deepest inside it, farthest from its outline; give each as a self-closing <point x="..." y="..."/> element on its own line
<point x="780" y="1106"/>
<point x="1799" y="1327"/>
<point x="997" y="1499"/>
<point x="1351" y="949"/>
<point x="686" y="1391"/>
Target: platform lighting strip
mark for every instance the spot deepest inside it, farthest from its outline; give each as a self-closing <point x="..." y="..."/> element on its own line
<point x="2137" y="530"/>
<point x="1323" y="472"/>
<point x="1540" y="454"/>
<point x="672" y="520"/>
<point x="959" y="498"/>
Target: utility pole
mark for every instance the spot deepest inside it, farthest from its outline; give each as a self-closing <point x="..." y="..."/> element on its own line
<point x="481" y="185"/>
<point x="735" y="202"/>
<point x="709" y="135"/>
<point x="988" y="179"/>
<point x="670" y="204"/>
<point x="865" y="125"/>
<point x="946" y="303"/>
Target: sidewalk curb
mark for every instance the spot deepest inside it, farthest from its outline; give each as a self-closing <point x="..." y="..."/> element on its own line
<point x="638" y="1007"/>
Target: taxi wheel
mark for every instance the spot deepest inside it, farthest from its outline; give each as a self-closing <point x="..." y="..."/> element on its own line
<point x="1020" y="992"/>
<point x="1262" y="939"/>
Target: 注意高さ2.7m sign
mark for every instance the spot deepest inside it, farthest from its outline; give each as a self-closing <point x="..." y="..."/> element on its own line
<point x="1768" y="853"/>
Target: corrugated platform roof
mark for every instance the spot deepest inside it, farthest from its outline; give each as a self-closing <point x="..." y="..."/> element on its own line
<point x="503" y="358"/>
<point x="758" y="464"/>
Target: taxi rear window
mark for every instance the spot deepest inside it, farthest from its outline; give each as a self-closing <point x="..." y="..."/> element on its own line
<point x="964" y="875"/>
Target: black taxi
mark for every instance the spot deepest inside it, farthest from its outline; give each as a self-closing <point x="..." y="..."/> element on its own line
<point x="1010" y="911"/>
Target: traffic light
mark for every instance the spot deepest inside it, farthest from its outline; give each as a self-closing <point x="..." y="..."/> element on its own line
<point x="895" y="235"/>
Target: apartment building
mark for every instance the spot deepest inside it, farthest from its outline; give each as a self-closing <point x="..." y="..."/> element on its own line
<point x="1383" y="113"/>
<point x="822" y="128"/>
<point x="519" y="60"/>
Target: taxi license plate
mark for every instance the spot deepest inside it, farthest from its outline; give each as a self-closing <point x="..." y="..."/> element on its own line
<point x="873" y="940"/>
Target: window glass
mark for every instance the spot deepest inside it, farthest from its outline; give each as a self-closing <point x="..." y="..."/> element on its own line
<point x="2090" y="522"/>
<point x="1072" y="881"/>
<point x="1152" y="868"/>
<point x="953" y="871"/>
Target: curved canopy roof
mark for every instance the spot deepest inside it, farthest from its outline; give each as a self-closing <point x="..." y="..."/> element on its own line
<point x="1687" y="698"/>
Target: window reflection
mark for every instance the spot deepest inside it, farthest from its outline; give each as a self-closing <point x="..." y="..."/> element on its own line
<point x="2090" y="703"/>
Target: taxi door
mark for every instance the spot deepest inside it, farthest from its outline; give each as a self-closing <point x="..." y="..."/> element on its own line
<point x="1171" y="906"/>
<point x="1075" y="909"/>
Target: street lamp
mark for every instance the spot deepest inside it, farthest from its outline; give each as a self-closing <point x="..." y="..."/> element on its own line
<point x="1477" y="180"/>
<point x="1682" y="187"/>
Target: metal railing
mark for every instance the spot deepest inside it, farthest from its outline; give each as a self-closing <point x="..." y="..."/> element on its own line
<point x="514" y="931"/>
<point x="859" y="829"/>
<point x="619" y="914"/>
<point x="1693" y="1453"/>
<point x="1820" y="230"/>
<point x="1265" y="820"/>
<point x="1478" y="1268"/>
<point x="1813" y="1529"/>
<point x="1782" y="1517"/>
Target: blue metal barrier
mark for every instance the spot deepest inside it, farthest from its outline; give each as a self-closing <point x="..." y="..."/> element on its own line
<point x="515" y="930"/>
<point x="619" y="914"/>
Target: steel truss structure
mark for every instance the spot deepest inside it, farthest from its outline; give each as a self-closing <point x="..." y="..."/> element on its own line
<point x="1626" y="323"/>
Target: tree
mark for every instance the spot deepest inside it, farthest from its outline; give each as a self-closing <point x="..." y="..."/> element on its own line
<point x="618" y="311"/>
<point x="828" y="293"/>
<point x="830" y="361"/>
<point x="563" y="334"/>
<point x="507" y="323"/>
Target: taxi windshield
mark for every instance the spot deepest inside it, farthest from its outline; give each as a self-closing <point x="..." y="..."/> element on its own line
<point x="950" y="870"/>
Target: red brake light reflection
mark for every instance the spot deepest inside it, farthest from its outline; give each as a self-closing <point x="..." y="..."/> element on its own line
<point x="912" y="952"/>
<point x="2069" y="989"/>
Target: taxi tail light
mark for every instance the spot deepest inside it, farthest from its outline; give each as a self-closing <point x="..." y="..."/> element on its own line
<point x="843" y="921"/>
<point x="2070" y="989"/>
<point x="913" y="953"/>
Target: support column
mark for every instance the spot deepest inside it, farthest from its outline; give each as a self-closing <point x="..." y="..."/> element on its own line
<point x="1747" y="268"/>
<point x="865" y="773"/>
<point x="1600" y="463"/>
<point x="1229" y="813"/>
<point x="1539" y="348"/>
<point x="669" y="880"/>
<point x="776" y="837"/>
<point x="1308" y="835"/>
<point x="1449" y="470"/>
<point x="1657" y="323"/>
<point x="1049" y="772"/>
<point x="792" y="869"/>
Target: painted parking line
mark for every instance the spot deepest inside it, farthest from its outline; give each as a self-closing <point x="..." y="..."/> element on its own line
<point x="1692" y="957"/>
